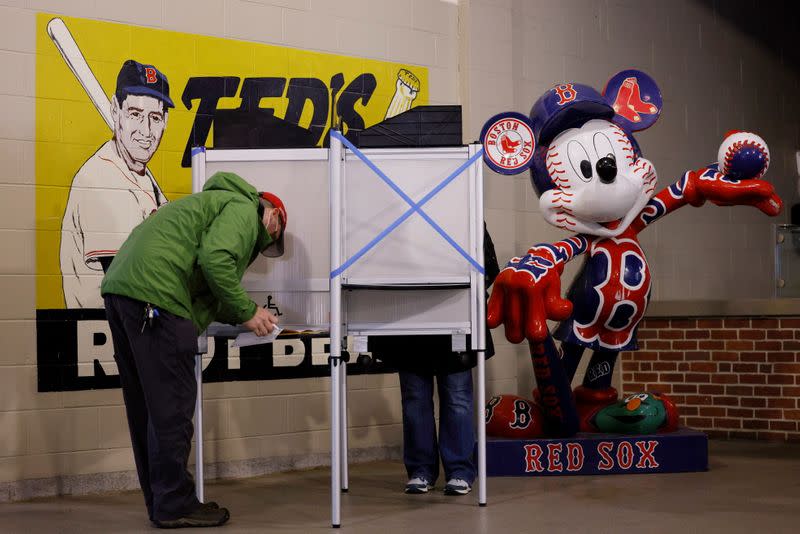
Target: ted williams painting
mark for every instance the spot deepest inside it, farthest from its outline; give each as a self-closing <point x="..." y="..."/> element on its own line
<point x="118" y="110"/>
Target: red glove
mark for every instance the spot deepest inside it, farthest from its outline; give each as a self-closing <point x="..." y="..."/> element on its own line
<point x="525" y="295"/>
<point x="709" y="184"/>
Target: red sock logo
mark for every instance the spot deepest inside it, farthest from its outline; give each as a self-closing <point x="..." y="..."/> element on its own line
<point x="629" y="103"/>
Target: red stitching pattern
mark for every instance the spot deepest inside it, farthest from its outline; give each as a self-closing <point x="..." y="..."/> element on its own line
<point x="565" y="220"/>
<point x="739" y="145"/>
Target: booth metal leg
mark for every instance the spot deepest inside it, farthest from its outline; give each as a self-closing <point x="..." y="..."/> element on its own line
<point x="343" y="374"/>
<point x="335" y="169"/>
<point x="336" y="453"/>
<point x="198" y="429"/>
<point x="481" y="429"/>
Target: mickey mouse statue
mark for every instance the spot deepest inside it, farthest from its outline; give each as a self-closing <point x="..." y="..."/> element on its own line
<point x="592" y="180"/>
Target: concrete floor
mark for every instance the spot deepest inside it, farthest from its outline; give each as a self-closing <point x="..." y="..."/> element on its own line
<point x="751" y="487"/>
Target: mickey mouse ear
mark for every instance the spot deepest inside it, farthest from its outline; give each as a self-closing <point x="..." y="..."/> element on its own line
<point x="636" y="99"/>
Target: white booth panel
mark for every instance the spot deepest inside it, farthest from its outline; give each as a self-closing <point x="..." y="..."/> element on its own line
<point x="414" y="252"/>
<point x="408" y="311"/>
<point x="300" y="310"/>
<point x="299" y="280"/>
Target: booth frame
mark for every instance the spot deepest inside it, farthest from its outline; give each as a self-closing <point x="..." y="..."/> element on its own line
<point x="338" y="158"/>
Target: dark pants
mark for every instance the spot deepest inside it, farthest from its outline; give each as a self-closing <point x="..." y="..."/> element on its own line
<point x="156" y="368"/>
<point x="456" y="440"/>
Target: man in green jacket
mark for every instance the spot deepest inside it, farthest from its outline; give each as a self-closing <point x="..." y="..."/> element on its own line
<point x="178" y="271"/>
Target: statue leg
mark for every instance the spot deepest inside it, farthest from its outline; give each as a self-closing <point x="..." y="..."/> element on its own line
<point x="570" y="358"/>
<point x="596" y="391"/>
<point x="600" y="370"/>
<point x="558" y="405"/>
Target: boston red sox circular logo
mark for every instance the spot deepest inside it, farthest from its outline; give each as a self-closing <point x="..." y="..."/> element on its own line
<point x="508" y="143"/>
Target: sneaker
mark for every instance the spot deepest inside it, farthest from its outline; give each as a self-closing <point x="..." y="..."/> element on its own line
<point x="418" y="485"/>
<point x="204" y="515"/>
<point x="457" y="486"/>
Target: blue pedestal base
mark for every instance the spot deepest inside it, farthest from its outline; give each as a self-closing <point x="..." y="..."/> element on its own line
<point x="598" y="454"/>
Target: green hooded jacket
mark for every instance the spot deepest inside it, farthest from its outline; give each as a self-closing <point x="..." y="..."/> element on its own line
<point x="188" y="258"/>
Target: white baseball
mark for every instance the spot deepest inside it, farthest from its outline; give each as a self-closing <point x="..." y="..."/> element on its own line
<point x="733" y="145"/>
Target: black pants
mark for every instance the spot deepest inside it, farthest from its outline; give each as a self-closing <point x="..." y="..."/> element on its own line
<point x="156" y="368"/>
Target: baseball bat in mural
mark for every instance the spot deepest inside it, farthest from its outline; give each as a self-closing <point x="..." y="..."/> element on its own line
<point x="72" y="55"/>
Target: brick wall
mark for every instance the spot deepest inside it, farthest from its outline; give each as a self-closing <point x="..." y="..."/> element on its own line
<point x="731" y="377"/>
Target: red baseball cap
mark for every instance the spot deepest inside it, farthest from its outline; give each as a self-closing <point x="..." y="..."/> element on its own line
<point x="275" y="248"/>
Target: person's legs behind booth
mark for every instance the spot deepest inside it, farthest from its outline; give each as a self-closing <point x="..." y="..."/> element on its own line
<point x="456" y="431"/>
<point x="420" y="448"/>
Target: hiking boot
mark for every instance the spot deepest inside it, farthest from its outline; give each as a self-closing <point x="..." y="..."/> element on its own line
<point x="206" y="515"/>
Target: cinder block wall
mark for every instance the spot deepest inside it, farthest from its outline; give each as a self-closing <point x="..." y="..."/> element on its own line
<point x="731" y="377"/>
<point x="78" y="441"/>
<point x="490" y="56"/>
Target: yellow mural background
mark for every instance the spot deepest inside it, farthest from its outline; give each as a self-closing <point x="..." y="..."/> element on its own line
<point x="69" y="129"/>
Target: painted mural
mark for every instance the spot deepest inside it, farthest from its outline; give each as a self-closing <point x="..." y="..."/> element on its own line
<point x="118" y="109"/>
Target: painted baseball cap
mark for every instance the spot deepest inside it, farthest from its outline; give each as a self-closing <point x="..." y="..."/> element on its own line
<point x="135" y="78"/>
<point x="275" y="248"/>
<point x="566" y="105"/>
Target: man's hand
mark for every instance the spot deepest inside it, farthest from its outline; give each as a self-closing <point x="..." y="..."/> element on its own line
<point x="526" y="294"/>
<point x="261" y="323"/>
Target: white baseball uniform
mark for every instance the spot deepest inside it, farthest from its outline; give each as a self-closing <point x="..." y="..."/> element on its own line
<point x="106" y="201"/>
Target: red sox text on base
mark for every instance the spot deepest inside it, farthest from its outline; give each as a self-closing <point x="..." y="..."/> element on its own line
<point x="570" y="457"/>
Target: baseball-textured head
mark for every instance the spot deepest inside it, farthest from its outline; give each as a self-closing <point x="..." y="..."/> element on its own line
<point x="588" y="169"/>
<point x="600" y="184"/>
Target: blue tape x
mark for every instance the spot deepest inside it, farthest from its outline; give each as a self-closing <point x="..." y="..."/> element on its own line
<point x="416" y="207"/>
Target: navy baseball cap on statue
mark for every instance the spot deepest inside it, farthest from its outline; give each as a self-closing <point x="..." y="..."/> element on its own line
<point x="135" y="78"/>
<point x="566" y="105"/>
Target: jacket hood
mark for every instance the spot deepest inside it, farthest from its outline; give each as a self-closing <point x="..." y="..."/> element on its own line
<point x="231" y="182"/>
<point x="228" y="181"/>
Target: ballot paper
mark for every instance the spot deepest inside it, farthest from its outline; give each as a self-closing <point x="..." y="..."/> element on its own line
<point x="246" y="339"/>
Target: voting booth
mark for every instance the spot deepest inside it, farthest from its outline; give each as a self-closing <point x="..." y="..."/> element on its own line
<point x="378" y="242"/>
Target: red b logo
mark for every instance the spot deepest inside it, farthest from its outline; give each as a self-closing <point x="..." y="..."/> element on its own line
<point x="566" y="93"/>
<point x="151" y="77"/>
